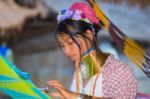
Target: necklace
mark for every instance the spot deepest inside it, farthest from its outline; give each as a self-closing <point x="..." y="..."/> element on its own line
<point x="92" y="89"/>
<point x="87" y="65"/>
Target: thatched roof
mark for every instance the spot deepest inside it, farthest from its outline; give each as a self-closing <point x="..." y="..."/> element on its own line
<point x="14" y="13"/>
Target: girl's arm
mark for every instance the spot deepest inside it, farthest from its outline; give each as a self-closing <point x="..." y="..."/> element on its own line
<point x="66" y="94"/>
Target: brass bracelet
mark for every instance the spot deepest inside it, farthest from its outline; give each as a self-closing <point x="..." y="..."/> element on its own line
<point x="87" y="97"/>
<point x="81" y="96"/>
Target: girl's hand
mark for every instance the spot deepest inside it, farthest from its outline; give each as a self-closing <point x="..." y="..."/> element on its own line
<point x="63" y="93"/>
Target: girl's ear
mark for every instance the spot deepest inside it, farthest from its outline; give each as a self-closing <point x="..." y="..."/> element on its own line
<point x="89" y="34"/>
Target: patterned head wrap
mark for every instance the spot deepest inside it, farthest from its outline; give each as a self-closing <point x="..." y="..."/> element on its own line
<point x="79" y="11"/>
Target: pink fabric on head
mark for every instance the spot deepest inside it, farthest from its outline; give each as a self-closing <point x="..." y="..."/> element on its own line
<point x="88" y="11"/>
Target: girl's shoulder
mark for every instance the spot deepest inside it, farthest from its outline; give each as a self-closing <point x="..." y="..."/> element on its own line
<point x="113" y="65"/>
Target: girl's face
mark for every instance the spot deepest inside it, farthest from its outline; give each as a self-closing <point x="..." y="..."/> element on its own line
<point x="70" y="48"/>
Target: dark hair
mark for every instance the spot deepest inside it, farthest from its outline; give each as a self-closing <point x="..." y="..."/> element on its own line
<point x="80" y="27"/>
<point x="74" y="28"/>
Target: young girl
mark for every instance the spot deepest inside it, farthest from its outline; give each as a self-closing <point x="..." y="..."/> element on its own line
<point x="97" y="75"/>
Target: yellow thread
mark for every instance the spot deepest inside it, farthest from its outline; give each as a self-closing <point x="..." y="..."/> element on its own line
<point x="100" y="15"/>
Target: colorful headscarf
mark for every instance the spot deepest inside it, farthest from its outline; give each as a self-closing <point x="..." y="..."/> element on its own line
<point x="88" y="11"/>
<point x="79" y="11"/>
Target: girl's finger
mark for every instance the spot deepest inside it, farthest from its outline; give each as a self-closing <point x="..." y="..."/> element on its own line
<point x="57" y="95"/>
<point x="52" y="81"/>
<point x="57" y="84"/>
<point x="59" y="89"/>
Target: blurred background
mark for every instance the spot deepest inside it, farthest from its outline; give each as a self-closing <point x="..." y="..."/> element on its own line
<point x="27" y="36"/>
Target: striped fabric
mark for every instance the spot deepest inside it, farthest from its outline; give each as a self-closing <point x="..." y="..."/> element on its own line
<point x="14" y="83"/>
